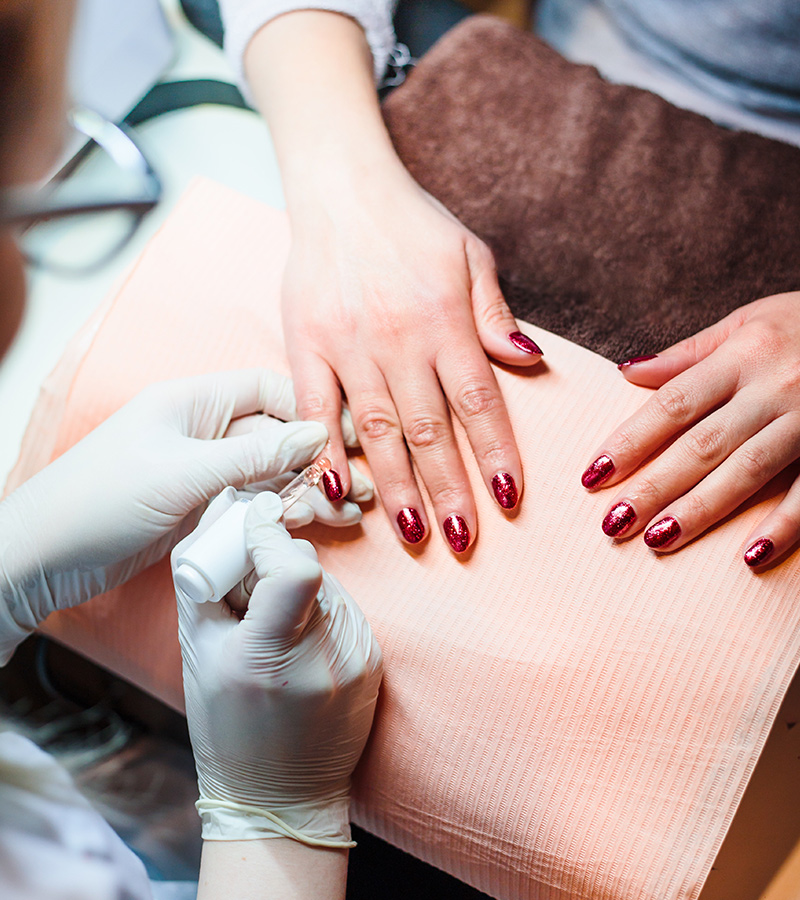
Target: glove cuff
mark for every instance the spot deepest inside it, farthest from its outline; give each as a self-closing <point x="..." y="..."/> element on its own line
<point x="13" y="608"/>
<point x="327" y="826"/>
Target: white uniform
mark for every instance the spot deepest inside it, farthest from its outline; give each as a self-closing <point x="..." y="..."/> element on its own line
<point x="53" y="844"/>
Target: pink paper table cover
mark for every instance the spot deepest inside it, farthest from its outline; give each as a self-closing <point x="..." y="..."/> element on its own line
<point x="561" y="716"/>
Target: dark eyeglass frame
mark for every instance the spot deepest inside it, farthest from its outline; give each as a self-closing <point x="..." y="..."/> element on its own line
<point x="23" y="207"/>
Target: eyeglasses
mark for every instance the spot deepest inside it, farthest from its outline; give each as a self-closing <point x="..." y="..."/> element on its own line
<point x="84" y="216"/>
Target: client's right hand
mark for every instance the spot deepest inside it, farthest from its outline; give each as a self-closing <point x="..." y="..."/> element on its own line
<point x="279" y="703"/>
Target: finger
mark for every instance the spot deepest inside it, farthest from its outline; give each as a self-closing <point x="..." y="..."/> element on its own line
<point x="497" y="328"/>
<point x="674" y="406"/>
<point x="686" y="463"/>
<point x="319" y="399"/>
<point x="219" y="397"/>
<point x="653" y="370"/>
<point x="338" y="515"/>
<point x="361" y="488"/>
<point x="778" y="533"/>
<point x="429" y="435"/>
<point x="470" y="386"/>
<point x="261" y="454"/>
<point x="219" y="505"/>
<point x="746" y="470"/>
<point x="288" y="580"/>
<point x="349" y="435"/>
<point x="381" y="437"/>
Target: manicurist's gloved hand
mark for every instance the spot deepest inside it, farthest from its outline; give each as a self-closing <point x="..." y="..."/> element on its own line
<point x="120" y="498"/>
<point x="279" y="702"/>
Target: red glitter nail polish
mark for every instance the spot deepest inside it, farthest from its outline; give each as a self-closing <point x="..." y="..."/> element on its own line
<point x="455" y="527"/>
<point x="410" y="524"/>
<point x="759" y="552"/>
<point x="601" y="469"/>
<point x="333" y="485"/>
<point x="635" y="360"/>
<point x="619" y="519"/>
<point x="505" y="490"/>
<point x="662" y="533"/>
<point x="523" y="342"/>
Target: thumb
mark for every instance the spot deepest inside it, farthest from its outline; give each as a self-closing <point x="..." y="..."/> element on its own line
<point x="657" y="369"/>
<point x="259" y="455"/>
<point x="289" y="575"/>
<point x="497" y="328"/>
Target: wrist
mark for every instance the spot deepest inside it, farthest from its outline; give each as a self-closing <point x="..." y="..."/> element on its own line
<point x="252" y="870"/>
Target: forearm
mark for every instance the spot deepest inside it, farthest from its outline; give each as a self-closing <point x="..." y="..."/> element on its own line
<point x="311" y="75"/>
<point x="274" y="868"/>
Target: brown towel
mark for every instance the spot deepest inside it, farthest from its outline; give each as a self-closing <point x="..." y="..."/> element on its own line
<point x="616" y="219"/>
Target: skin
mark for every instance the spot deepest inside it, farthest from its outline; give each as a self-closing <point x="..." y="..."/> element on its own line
<point x="723" y="420"/>
<point x="386" y="296"/>
<point x="280" y="868"/>
<point x="250" y="870"/>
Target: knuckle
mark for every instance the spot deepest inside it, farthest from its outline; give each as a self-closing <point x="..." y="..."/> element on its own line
<point x="626" y="446"/>
<point x="496" y="455"/>
<point x="707" y="444"/>
<point x="756" y="463"/>
<point x="426" y="432"/>
<point x="446" y="496"/>
<point x="696" y="508"/>
<point x="649" y="494"/>
<point x="375" y="423"/>
<point x="673" y="402"/>
<point x="475" y="400"/>
<point x="317" y="406"/>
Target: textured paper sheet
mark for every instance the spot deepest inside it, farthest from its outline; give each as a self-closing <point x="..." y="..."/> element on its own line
<point x="562" y="717"/>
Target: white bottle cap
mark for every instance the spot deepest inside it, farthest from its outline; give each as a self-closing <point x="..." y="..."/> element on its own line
<point x="218" y="560"/>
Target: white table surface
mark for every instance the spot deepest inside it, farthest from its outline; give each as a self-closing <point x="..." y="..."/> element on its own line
<point x="229" y="145"/>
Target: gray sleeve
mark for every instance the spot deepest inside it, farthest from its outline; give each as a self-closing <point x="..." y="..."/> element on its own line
<point x="243" y="18"/>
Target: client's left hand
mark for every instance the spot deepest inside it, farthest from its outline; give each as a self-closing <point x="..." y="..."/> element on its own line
<point x="120" y="498"/>
<point x="724" y="420"/>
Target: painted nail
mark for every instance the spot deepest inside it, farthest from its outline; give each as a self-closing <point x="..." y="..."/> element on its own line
<point x="598" y="471"/>
<point x="505" y="489"/>
<point x="523" y="342"/>
<point x="620" y="518"/>
<point x="455" y="527"/>
<point x="333" y="485"/>
<point x="635" y="360"/>
<point x="759" y="552"/>
<point x="410" y="525"/>
<point x="662" y="533"/>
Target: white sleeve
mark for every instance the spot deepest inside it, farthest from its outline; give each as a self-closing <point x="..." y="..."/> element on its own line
<point x="53" y="844"/>
<point x="243" y="18"/>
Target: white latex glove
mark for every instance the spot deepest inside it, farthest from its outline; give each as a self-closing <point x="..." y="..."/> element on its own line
<point x="119" y="499"/>
<point x="279" y="703"/>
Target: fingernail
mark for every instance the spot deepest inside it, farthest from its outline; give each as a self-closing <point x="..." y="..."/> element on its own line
<point x="620" y="518"/>
<point x="332" y="484"/>
<point x="505" y="490"/>
<point x="759" y="552"/>
<point x="662" y="533"/>
<point x="410" y="525"/>
<point x="523" y="342"/>
<point x="598" y="471"/>
<point x="455" y="527"/>
<point x="635" y="360"/>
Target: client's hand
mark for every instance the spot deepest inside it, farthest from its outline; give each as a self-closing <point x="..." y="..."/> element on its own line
<point x="725" y="419"/>
<point x="119" y="499"/>
<point x="389" y="298"/>
<point x="279" y="703"/>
